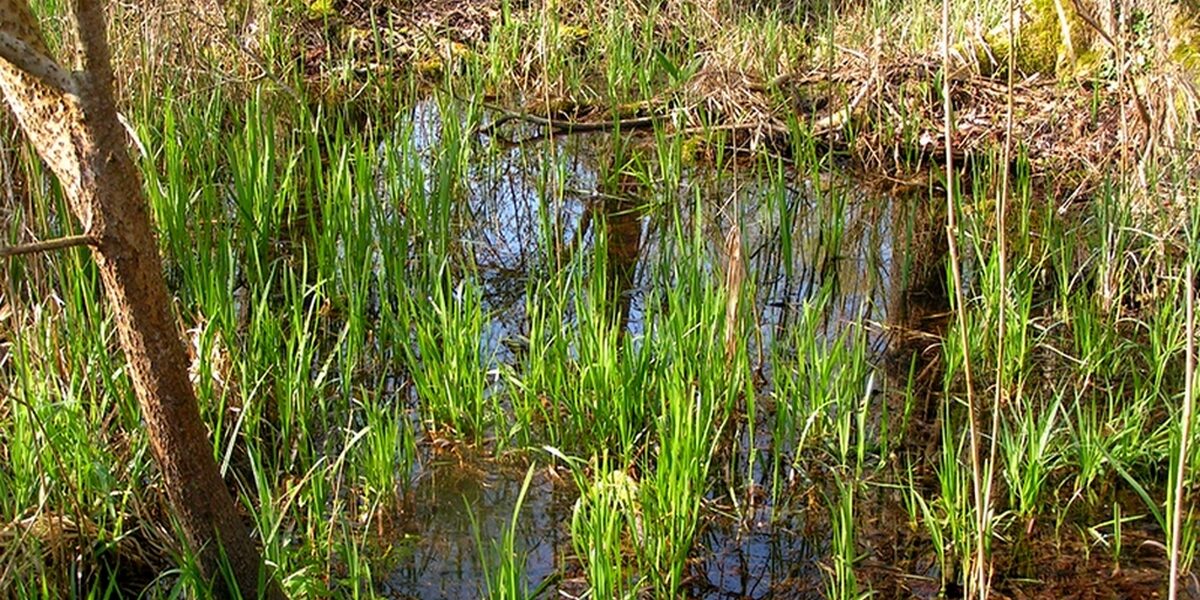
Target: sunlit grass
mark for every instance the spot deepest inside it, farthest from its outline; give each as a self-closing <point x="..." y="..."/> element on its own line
<point x="327" y="275"/>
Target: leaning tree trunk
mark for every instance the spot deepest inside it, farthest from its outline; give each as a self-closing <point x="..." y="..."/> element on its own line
<point x="71" y="119"/>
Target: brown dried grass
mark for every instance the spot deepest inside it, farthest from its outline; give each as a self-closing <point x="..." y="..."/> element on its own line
<point x="877" y="105"/>
<point x="45" y="548"/>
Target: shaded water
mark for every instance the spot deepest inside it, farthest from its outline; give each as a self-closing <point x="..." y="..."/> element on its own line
<point x="453" y="503"/>
<point x="512" y="198"/>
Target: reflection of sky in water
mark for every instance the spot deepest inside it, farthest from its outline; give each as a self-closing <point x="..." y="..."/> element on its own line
<point x="511" y="193"/>
<point x="857" y="267"/>
<point x="770" y="561"/>
<point x="510" y="196"/>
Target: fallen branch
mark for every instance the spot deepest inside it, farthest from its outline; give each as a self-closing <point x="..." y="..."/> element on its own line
<point x="557" y="127"/>
<point x="836" y="119"/>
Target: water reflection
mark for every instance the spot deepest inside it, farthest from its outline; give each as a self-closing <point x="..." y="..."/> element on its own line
<point x="531" y="209"/>
<point x="444" y="558"/>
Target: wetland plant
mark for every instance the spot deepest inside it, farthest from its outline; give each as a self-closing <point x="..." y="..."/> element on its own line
<point x="998" y="363"/>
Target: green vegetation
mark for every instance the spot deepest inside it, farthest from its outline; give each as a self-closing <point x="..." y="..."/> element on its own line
<point x="375" y="280"/>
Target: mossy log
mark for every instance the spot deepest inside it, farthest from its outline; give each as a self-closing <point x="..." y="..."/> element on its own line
<point x="1053" y="37"/>
<point x="1077" y="39"/>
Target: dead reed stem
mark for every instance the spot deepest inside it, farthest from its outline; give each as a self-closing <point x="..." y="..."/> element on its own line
<point x="1002" y="286"/>
<point x="1184" y="428"/>
<point x="977" y="581"/>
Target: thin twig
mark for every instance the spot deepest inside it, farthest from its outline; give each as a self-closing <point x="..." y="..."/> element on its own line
<point x="70" y="241"/>
<point x="1087" y="17"/>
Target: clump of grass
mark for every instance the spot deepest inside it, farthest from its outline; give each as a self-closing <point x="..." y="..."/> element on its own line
<point x="320" y="259"/>
<point x="842" y="583"/>
<point x="606" y="524"/>
<point x="447" y="363"/>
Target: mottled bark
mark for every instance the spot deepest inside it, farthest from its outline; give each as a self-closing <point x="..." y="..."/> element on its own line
<point x="79" y="135"/>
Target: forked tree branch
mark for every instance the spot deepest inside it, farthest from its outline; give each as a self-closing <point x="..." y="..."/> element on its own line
<point x="28" y="59"/>
<point x="93" y="40"/>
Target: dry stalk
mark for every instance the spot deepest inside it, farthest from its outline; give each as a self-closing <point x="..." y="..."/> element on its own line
<point x="735" y="275"/>
<point x="1002" y="277"/>
<point x="1185" y="429"/>
<point x="977" y="580"/>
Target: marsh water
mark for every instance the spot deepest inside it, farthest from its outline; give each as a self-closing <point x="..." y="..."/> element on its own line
<point x="459" y="500"/>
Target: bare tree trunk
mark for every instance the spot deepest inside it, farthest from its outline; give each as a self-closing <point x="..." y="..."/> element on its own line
<point x="72" y="120"/>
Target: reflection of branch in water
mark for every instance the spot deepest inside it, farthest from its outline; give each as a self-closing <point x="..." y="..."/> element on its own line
<point x="622" y="223"/>
<point x="589" y="198"/>
<point x="623" y="247"/>
<point x="554" y="127"/>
